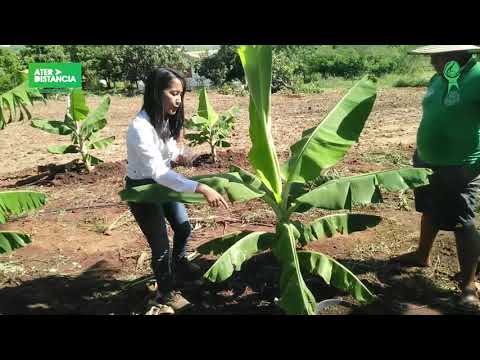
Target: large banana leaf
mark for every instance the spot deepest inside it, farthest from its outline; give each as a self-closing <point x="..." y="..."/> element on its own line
<point x="296" y="298"/>
<point x="230" y="183"/>
<point x="256" y="185"/>
<point x="231" y="260"/>
<point x="334" y="274"/>
<point x="52" y="127"/>
<point x="12" y="240"/>
<point x="257" y="64"/>
<point x="219" y="245"/>
<point x="18" y="98"/>
<point x="360" y="190"/>
<point x="19" y="202"/>
<point x="328" y="226"/>
<point x="78" y="106"/>
<point x="205" y="109"/>
<point x="324" y="145"/>
<point x="250" y="180"/>
<point x="95" y="120"/>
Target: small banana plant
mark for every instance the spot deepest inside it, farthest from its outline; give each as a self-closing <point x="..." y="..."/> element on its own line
<point x="83" y="127"/>
<point x="210" y="127"/>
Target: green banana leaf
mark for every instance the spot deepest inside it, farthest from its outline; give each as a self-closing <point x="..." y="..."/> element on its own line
<point x="296" y="298"/>
<point x="251" y="180"/>
<point x="19" y="202"/>
<point x="329" y="226"/>
<point x="96" y="120"/>
<point x="326" y="144"/>
<point x="232" y="112"/>
<point x="223" y="144"/>
<point x="78" y="106"/>
<point x="92" y="160"/>
<point x="102" y="143"/>
<point x="219" y="245"/>
<point x="9" y="103"/>
<point x="17" y="98"/>
<point x="205" y="109"/>
<point x="230" y="183"/>
<point x="51" y="126"/>
<point x="196" y="123"/>
<point x="242" y="247"/>
<point x="257" y="64"/>
<point x="63" y="149"/>
<point x="69" y="122"/>
<point x="10" y="241"/>
<point x="334" y="274"/>
<point x="196" y="139"/>
<point x="256" y="185"/>
<point x="360" y="190"/>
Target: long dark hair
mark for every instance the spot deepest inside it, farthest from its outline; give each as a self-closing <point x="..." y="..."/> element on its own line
<point x="157" y="81"/>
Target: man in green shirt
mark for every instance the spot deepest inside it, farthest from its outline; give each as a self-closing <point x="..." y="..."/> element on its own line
<point x="448" y="142"/>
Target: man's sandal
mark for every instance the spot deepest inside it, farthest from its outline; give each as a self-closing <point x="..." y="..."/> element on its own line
<point x="469" y="301"/>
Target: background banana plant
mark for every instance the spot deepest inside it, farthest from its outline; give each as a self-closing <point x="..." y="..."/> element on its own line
<point x="17" y="203"/>
<point x="210" y="127"/>
<point x="16" y="101"/>
<point x="82" y="125"/>
<point x="284" y="188"/>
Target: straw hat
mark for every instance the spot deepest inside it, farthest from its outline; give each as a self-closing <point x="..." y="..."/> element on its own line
<point x="436" y="49"/>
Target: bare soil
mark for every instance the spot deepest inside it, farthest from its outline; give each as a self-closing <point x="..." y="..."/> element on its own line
<point x="87" y="252"/>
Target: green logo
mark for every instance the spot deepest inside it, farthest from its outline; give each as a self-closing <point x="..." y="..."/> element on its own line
<point x="451" y="72"/>
<point x="55" y="76"/>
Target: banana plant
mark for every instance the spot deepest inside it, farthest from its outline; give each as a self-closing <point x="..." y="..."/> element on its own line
<point x="284" y="188"/>
<point x="17" y="203"/>
<point x="83" y="127"/>
<point x="16" y="101"/>
<point x="210" y="127"/>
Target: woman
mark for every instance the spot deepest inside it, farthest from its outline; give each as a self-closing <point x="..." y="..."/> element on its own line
<point x="151" y="148"/>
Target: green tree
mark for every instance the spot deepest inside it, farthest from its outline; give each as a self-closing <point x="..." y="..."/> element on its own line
<point x="139" y="60"/>
<point x="222" y="67"/>
<point x="88" y="56"/>
<point x="109" y="64"/>
<point x="43" y="53"/>
<point x="10" y="66"/>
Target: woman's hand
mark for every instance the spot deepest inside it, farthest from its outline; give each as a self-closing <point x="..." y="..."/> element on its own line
<point x="214" y="198"/>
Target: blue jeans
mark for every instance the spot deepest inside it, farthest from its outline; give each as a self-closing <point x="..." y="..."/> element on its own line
<point x="152" y="221"/>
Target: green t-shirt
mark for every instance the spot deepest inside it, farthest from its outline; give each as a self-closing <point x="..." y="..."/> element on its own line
<point x="449" y="132"/>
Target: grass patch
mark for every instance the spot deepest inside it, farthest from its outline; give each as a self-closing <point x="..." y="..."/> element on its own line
<point x="395" y="158"/>
<point x="406" y="80"/>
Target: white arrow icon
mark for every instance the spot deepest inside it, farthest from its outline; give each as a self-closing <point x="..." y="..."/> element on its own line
<point x="57" y="72"/>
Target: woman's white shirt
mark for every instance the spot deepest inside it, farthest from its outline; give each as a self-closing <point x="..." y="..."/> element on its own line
<point x="149" y="157"/>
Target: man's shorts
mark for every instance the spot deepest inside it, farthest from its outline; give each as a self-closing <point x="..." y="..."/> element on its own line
<point x="451" y="197"/>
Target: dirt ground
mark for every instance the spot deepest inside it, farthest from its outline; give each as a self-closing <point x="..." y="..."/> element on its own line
<point x="89" y="257"/>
